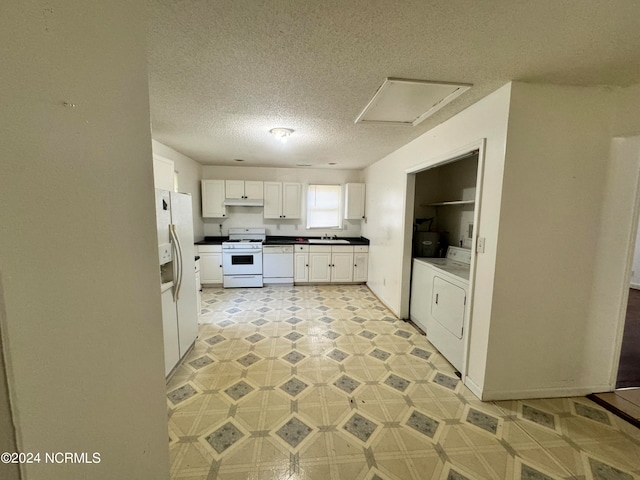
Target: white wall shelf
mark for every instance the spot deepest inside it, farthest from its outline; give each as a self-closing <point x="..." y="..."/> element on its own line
<point x="455" y="202"/>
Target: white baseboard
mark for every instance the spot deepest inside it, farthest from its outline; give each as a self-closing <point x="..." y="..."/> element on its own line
<point x="635" y="286"/>
<point x="553" y="392"/>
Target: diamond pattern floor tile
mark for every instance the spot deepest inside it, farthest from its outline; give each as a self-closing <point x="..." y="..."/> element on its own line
<point x="347" y="384"/>
<point x="239" y="390"/>
<point x="292" y="383"/>
<point x="224" y="437"/>
<point x="423" y="424"/>
<point x="294" y="431"/>
<point x="360" y="427"/>
<point x="294" y="386"/>
<point x="293" y="357"/>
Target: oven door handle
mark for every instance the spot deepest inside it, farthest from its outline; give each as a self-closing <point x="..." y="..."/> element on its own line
<point x="239" y="251"/>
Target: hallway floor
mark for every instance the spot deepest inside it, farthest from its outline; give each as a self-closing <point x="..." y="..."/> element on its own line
<point x="325" y="383"/>
<point x="629" y="367"/>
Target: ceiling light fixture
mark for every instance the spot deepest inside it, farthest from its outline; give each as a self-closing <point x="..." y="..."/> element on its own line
<point x="281" y="134"/>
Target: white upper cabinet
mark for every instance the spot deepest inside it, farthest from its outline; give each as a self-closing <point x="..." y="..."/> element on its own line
<point x="354" y="201"/>
<point x="234" y="188"/>
<point x="282" y="200"/>
<point x="163" y="173"/>
<point x="244" y="189"/>
<point x="272" y="200"/>
<point x="291" y="200"/>
<point x="213" y="195"/>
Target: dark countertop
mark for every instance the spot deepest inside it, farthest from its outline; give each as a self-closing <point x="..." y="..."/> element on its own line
<point x="212" y="241"/>
<point x="277" y="240"/>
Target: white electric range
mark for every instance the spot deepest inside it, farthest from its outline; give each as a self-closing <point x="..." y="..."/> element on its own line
<point x="242" y="258"/>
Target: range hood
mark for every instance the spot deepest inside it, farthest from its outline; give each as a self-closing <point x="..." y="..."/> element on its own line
<point x="243" y="202"/>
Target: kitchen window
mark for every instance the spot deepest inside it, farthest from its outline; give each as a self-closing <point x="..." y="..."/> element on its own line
<point x="324" y="204"/>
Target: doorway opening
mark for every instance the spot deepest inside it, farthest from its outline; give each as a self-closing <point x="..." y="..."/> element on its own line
<point x="441" y="225"/>
<point x="624" y="400"/>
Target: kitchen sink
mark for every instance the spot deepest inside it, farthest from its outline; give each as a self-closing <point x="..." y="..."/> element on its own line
<point x="318" y="240"/>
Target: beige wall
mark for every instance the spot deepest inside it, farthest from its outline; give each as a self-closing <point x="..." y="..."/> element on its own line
<point x="78" y="258"/>
<point x="189" y="173"/>
<point x="238" y="217"/>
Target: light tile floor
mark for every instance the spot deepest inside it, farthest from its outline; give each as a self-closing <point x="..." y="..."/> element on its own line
<point x="325" y="383"/>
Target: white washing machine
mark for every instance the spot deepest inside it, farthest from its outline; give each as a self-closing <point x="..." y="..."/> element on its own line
<point x="439" y="291"/>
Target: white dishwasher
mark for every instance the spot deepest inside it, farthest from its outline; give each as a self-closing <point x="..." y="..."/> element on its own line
<point x="277" y="264"/>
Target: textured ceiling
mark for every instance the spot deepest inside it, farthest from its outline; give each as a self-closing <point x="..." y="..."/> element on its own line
<point x="223" y="73"/>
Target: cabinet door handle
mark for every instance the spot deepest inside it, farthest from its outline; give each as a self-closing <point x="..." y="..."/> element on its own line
<point x="307" y="265"/>
<point x="436" y="298"/>
<point x="284" y="216"/>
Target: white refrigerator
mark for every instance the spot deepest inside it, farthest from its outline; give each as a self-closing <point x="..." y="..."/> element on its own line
<point x="178" y="277"/>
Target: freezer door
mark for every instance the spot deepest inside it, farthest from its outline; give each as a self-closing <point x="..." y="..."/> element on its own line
<point x="182" y="218"/>
<point x="163" y="215"/>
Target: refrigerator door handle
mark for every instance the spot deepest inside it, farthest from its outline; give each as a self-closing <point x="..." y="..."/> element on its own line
<point x="174" y="248"/>
<point x="180" y="266"/>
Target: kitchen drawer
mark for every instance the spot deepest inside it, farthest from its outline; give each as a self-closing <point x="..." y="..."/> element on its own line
<point x="361" y="248"/>
<point x="320" y="248"/>
<point x="301" y="248"/>
<point x="209" y="248"/>
<point x="341" y="249"/>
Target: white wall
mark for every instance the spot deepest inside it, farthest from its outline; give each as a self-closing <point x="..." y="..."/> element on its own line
<point x="82" y="330"/>
<point x="189" y="173"/>
<point x="386" y="227"/>
<point x="543" y="322"/>
<point x="253" y="216"/>
<point x="554" y="179"/>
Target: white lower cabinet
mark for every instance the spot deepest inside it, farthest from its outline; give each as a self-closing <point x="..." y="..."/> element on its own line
<point x="320" y="264"/>
<point x="342" y="264"/>
<point x="331" y="263"/>
<point x="301" y="264"/>
<point x="360" y="266"/>
<point x="210" y="264"/>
